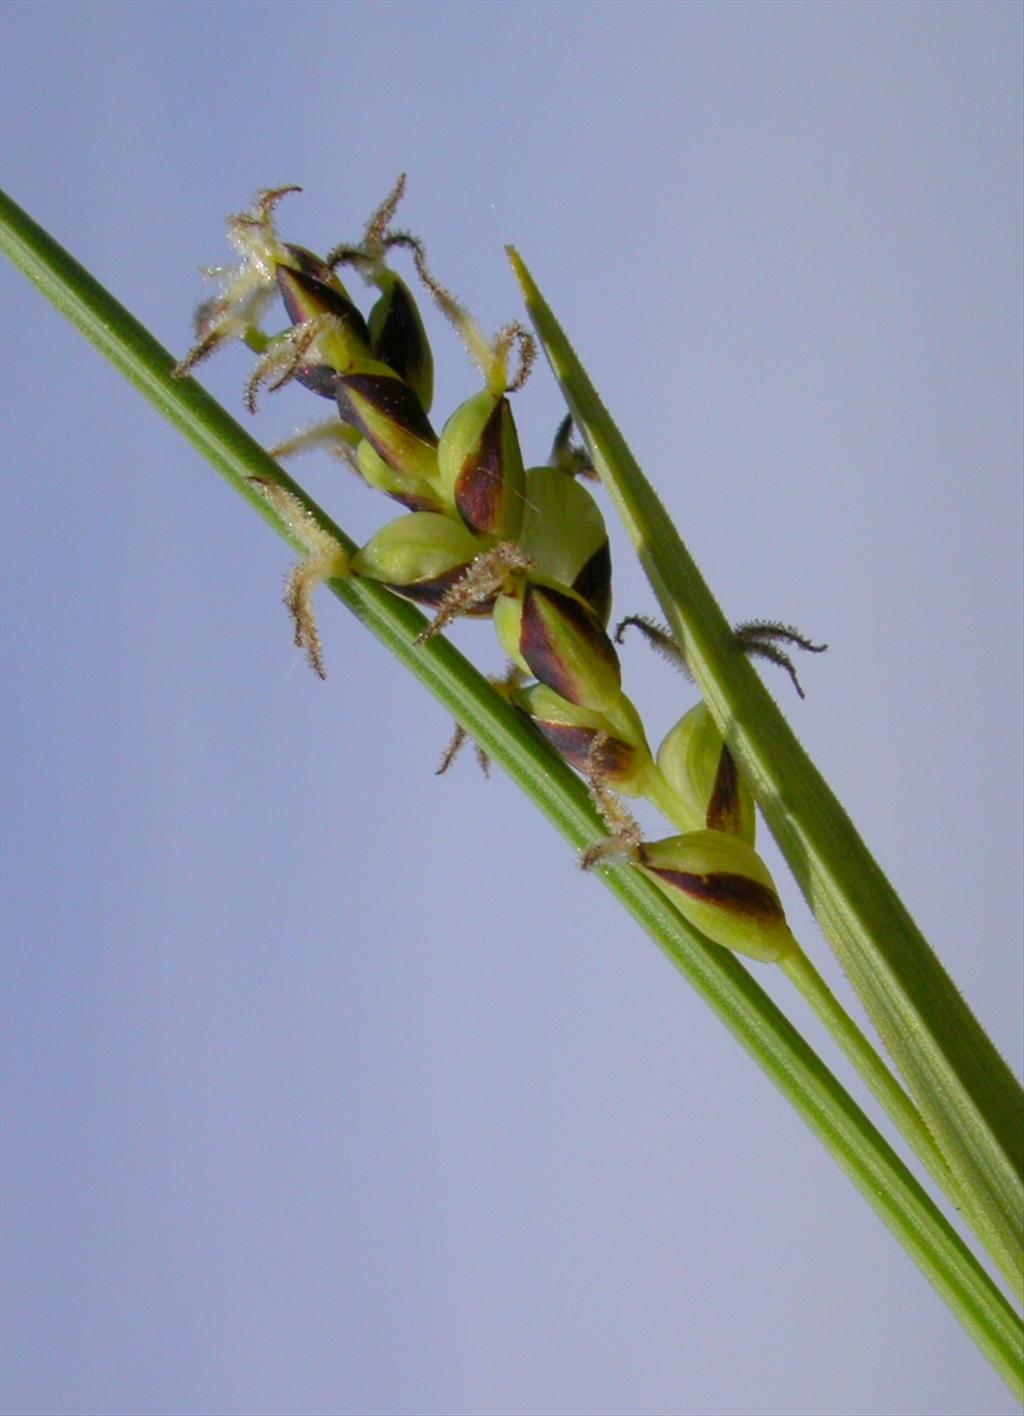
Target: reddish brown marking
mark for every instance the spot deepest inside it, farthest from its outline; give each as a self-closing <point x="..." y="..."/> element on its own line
<point x="594" y="582"/>
<point x="309" y="263"/>
<point x="327" y="300"/>
<point x="318" y="378"/>
<point x="399" y="342"/>
<point x="574" y="743"/>
<point x="432" y="592"/>
<point x="392" y="398"/>
<point x="480" y="487"/>
<point x="724" y="806"/>
<point x="538" y="648"/>
<point x="733" y="892"/>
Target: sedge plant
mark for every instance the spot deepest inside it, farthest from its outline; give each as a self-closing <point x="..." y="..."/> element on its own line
<point x="482" y="533"/>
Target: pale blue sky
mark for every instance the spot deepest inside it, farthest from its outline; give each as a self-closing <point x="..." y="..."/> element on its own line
<point x="328" y="1086"/>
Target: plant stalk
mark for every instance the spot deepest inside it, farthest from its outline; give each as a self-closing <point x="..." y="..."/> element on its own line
<point x="717" y="975"/>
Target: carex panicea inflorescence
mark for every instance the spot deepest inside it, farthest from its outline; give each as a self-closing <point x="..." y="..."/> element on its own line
<point x="483" y="534"/>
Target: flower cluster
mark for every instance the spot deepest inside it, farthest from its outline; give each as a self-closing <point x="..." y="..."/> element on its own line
<point x="483" y="534"/>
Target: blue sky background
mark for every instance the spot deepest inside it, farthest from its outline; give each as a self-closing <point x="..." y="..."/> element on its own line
<point x="331" y="1087"/>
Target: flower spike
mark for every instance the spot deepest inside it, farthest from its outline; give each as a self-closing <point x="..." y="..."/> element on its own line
<point x="246" y="288"/>
<point x="723" y="887"/>
<point x="492" y="573"/>
<point x="456" y="743"/>
<point x="386" y="411"/>
<point x="490" y="356"/>
<point x="699" y="768"/>
<point x="314" y="297"/>
<point x="481" y="466"/>
<point x="659" y="637"/>
<point x="396" y="333"/>
<point x="624" y="838"/>
<point x="564" y="531"/>
<point x="624" y="760"/>
<point x="505" y="685"/>
<point x="325" y="559"/>
<point x="554" y="635"/>
<point x="420" y="556"/>
<point x="759" y="639"/>
<point x="379" y="224"/>
<point x="285" y="359"/>
<point x="398" y="338"/>
<point x="333" y="436"/>
<point x="509" y="337"/>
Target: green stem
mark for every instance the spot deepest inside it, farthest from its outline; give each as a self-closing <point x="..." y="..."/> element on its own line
<point x="901" y="1110"/>
<point x="966" y="1092"/>
<point x="734" y="995"/>
<point x="864" y="1057"/>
